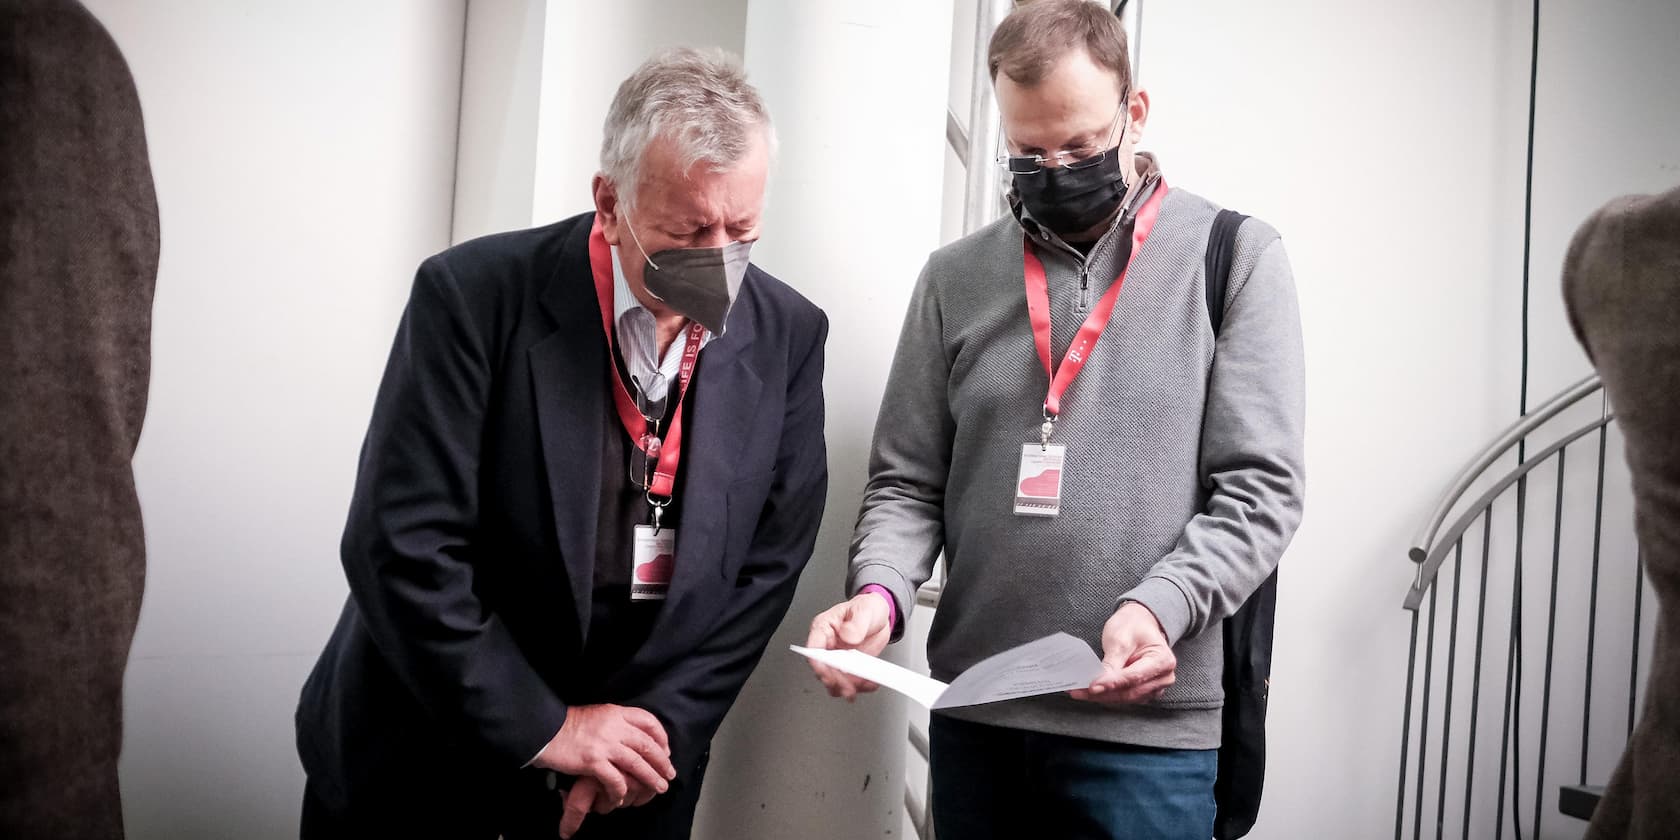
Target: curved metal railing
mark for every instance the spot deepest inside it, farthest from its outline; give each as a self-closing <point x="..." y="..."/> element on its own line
<point x="1441" y="790"/>
<point x="919" y="807"/>
<point x="1424" y="544"/>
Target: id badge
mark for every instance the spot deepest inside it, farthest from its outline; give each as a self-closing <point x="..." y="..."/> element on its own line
<point x="1038" y="487"/>
<point x="653" y="559"/>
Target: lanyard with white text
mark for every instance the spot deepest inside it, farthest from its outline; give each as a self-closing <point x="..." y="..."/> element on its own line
<point x="667" y="452"/>
<point x="1038" y="311"/>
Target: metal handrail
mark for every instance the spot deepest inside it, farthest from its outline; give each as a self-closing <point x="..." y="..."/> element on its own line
<point x="1437" y="555"/>
<point x="1440" y="544"/>
<point x="982" y="186"/>
<point x="956" y="137"/>
<point x="928" y="595"/>
<point x="1526" y="425"/>
<point x="919" y="808"/>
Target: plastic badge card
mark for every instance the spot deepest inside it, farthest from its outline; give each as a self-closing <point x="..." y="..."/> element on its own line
<point x="1038" y="487"/>
<point x="1052" y="664"/>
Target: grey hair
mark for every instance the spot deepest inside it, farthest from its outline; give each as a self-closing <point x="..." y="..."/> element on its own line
<point x="701" y="100"/>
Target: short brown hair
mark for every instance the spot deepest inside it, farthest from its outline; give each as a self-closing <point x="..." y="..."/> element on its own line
<point x="1038" y="34"/>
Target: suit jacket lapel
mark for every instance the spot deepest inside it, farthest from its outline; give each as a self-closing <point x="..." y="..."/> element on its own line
<point x="722" y="423"/>
<point x="568" y="383"/>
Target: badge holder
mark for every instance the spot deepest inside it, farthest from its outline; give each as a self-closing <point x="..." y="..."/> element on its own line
<point x="1038" y="483"/>
<point x="654" y="556"/>
<point x="654" y="551"/>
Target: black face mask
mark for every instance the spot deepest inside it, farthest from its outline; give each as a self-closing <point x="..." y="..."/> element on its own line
<point x="1070" y="201"/>
<point x="699" y="283"/>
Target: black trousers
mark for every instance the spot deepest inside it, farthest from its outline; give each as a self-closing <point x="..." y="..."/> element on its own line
<point x="519" y="806"/>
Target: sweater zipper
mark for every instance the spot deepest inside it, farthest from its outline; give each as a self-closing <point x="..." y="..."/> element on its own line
<point x="1084" y="264"/>
<point x="1085" y="270"/>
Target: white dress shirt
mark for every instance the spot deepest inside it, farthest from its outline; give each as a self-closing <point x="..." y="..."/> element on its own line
<point x="638" y="342"/>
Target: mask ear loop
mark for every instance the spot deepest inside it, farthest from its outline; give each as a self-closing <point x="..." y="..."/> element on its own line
<point x="633" y="238"/>
<point x="1124" y="118"/>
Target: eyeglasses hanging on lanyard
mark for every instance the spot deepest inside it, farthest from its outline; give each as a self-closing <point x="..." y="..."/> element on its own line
<point x="653" y="465"/>
<point x="658" y="444"/>
<point x="652" y="397"/>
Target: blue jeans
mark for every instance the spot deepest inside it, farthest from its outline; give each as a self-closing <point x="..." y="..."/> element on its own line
<point x="991" y="782"/>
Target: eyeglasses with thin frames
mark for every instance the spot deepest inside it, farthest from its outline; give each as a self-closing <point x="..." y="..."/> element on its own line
<point x="1083" y="157"/>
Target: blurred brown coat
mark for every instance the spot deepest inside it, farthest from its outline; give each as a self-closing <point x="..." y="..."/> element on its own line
<point x="78" y="260"/>
<point x="1622" y="284"/>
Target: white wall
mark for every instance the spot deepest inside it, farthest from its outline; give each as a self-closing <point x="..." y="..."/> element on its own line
<point x="588" y="49"/>
<point x="1386" y="142"/>
<point x="538" y="77"/>
<point x="1608" y="124"/>
<point x="1604" y="127"/>
<point x="304" y="157"/>
<point x="501" y="86"/>
<point x="1344" y="135"/>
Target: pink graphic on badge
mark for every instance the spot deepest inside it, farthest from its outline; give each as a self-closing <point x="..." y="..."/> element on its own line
<point x="1043" y="485"/>
<point x="657" y="570"/>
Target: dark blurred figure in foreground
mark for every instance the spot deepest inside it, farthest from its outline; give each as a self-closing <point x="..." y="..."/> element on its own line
<point x="78" y="260"/>
<point x="1621" y="281"/>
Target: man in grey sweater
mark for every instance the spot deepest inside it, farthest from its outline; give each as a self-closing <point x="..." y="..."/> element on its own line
<point x="1089" y="461"/>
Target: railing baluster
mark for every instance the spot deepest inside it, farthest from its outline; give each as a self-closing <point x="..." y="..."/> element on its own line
<point x="1476" y="672"/>
<point x="1406" y="733"/>
<point x="1551" y="639"/>
<point x="1443" y="538"/>
<point x="1510" y="742"/>
<point x="1504" y="748"/>
<point x="1592" y="605"/>
<point x="1638" y="604"/>
<point x="1447" y="706"/>
<point x="1423" y="728"/>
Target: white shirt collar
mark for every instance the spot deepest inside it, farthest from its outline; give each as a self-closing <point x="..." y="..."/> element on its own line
<point x="623" y="299"/>
<point x="638" y="338"/>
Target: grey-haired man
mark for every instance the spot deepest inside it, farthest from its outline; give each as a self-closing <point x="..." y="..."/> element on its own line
<point x="594" y="473"/>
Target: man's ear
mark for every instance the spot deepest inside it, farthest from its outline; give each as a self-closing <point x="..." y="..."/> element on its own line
<point x="607" y="209"/>
<point x="1137" y="106"/>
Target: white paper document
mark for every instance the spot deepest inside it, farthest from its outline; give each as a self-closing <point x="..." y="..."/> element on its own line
<point x="1054" y="663"/>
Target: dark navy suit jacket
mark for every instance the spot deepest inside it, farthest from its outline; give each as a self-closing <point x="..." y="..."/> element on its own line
<point x="471" y="538"/>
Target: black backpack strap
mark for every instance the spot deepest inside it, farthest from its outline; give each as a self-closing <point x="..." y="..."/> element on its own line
<point x="1221" y="253"/>
<point x="1248" y="631"/>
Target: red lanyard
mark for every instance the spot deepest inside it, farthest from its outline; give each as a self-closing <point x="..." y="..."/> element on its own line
<point x="1038" y="309"/>
<point x="668" y="451"/>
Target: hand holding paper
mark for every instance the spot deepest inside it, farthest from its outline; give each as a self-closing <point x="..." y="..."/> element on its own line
<point x="863" y="623"/>
<point x="1138" y="663"/>
<point x="1049" y="665"/>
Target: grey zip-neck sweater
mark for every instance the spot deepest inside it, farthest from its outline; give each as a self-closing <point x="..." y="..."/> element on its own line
<point x="1183" y="483"/>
